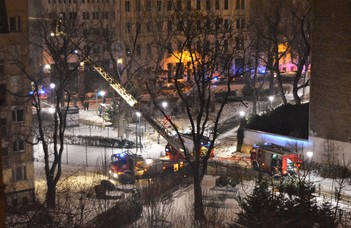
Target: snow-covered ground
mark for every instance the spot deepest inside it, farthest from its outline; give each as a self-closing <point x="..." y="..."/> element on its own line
<point x="93" y="158"/>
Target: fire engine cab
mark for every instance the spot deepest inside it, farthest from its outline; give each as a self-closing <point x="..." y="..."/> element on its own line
<point x="275" y="159"/>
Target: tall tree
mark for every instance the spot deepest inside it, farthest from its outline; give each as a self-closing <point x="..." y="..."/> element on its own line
<point x="206" y="48"/>
<point x="56" y="39"/>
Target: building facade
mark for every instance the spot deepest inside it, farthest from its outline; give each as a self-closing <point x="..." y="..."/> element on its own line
<point x="330" y="95"/>
<point x="15" y="108"/>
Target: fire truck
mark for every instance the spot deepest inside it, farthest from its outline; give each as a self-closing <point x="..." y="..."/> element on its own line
<point x="138" y="167"/>
<point x="275" y="159"/>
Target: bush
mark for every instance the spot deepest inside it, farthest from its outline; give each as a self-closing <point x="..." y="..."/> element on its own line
<point x="296" y="208"/>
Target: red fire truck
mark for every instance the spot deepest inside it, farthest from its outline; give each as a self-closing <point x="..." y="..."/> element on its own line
<point x="275" y="159"/>
<point x="139" y="167"/>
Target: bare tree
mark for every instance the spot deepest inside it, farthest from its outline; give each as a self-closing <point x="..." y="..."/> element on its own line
<point x="207" y="49"/>
<point x="301" y="45"/>
<point x="56" y="40"/>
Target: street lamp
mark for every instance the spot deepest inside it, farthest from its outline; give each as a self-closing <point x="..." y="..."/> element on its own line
<point x="271" y="98"/>
<point x="164" y="105"/>
<point x="137" y="126"/>
<point x="102" y="94"/>
<point x="242" y="114"/>
<point x="309" y="155"/>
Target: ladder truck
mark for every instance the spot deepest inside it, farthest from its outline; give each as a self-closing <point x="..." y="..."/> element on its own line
<point x="131" y="101"/>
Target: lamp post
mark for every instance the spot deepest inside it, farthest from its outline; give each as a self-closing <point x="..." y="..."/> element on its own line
<point x="271" y="98"/>
<point x="52" y="95"/>
<point x="309" y="155"/>
<point x="240" y="132"/>
<point x="137" y="125"/>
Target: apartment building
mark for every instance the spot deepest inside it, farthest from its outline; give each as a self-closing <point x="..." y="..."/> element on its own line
<point x="15" y="111"/>
<point x="145" y="33"/>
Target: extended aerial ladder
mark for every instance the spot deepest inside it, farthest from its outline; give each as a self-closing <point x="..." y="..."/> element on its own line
<point x="157" y="125"/>
<point x="164" y="132"/>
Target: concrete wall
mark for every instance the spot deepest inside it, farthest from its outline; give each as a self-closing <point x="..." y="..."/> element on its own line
<point x="314" y="144"/>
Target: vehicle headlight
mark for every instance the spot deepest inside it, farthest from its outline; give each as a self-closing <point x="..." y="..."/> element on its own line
<point x="115" y="175"/>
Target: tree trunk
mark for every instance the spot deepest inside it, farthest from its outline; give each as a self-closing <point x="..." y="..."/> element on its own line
<point x="198" y="204"/>
<point x="121" y="125"/>
<point x="51" y="194"/>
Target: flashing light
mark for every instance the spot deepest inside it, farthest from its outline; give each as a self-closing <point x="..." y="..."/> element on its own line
<point x="31" y="92"/>
<point x="41" y="92"/>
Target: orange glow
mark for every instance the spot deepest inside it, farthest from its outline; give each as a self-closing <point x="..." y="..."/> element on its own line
<point x="181" y="57"/>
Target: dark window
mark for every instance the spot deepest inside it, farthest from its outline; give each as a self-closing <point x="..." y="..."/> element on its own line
<point x="138" y="5"/>
<point x="3" y="127"/>
<point x="128" y="27"/>
<point x="149" y="26"/>
<point x="19" y="173"/>
<point x="159" y="5"/>
<point x="207" y="46"/>
<point x="18" y="145"/>
<point x="240" y="23"/>
<point x="188" y="5"/>
<point x="14" y="24"/>
<point x="2" y="94"/>
<point x="226" y="6"/>
<point x="217" y="5"/>
<point x="169" y="26"/>
<point x="138" y="50"/>
<point x="149" y="49"/>
<point x="198" y="4"/>
<point x="169" y="5"/>
<point x="138" y="27"/>
<point x="127" y="6"/>
<point x="179" y="26"/>
<point x="17" y="115"/>
<point x="179" y="5"/>
<point x="148" y="5"/>
<point x="240" y="4"/>
<point x="169" y="48"/>
<point x="239" y="43"/>
<point x="128" y="52"/>
<point x="208" y="5"/>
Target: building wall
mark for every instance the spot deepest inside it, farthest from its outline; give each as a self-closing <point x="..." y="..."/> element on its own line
<point x="15" y="112"/>
<point x="330" y="101"/>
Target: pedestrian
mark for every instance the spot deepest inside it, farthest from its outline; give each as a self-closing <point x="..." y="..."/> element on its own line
<point x="87" y="105"/>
